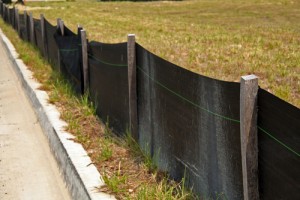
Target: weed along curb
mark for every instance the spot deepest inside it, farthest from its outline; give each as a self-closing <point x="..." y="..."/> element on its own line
<point x="80" y="176"/>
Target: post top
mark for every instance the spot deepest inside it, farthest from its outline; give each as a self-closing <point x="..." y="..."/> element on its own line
<point x="249" y="77"/>
<point x="131" y="35"/>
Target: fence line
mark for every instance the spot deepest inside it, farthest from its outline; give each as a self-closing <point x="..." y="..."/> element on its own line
<point x="149" y="113"/>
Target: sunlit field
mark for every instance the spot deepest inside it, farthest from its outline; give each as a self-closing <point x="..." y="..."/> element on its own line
<point x="223" y="39"/>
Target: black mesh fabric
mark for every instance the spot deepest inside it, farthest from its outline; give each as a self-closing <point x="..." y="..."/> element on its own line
<point x="279" y="174"/>
<point x="10" y="20"/>
<point x="12" y="16"/>
<point x="51" y="46"/>
<point x="4" y="14"/>
<point x="28" y="27"/>
<point x="38" y="34"/>
<point x="109" y="83"/>
<point x="190" y="122"/>
<point x="14" y="24"/>
<point x="1" y="9"/>
<point x="70" y="59"/>
<point x="23" y="33"/>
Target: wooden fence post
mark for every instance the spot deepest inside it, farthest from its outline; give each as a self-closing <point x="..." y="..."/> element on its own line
<point x="18" y="22"/>
<point x="43" y="34"/>
<point x="131" y="59"/>
<point x="248" y="125"/>
<point x="85" y="67"/>
<point x="8" y="15"/>
<point x="79" y="28"/>
<point x="13" y="17"/>
<point x="1" y="8"/>
<point x="31" y="25"/>
<point x="60" y="26"/>
<point x="26" y="25"/>
<point x="5" y="13"/>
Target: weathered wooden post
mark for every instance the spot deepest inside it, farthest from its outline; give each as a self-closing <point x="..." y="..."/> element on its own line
<point x="131" y="59"/>
<point x="13" y="17"/>
<point x="26" y="25"/>
<point x="8" y="15"/>
<point x="43" y="34"/>
<point x="18" y="22"/>
<point x="5" y="13"/>
<point x="60" y="27"/>
<point x="1" y="11"/>
<point x="31" y="25"/>
<point x="85" y="67"/>
<point x="1" y="8"/>
<point x="248" y="126"/>
<point x="79" y="28"/>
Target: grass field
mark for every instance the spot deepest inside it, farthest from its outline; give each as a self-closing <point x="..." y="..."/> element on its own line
<point x="223" y="39"/>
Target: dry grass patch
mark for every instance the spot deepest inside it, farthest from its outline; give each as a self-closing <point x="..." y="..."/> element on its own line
<point x="220" y="39"/>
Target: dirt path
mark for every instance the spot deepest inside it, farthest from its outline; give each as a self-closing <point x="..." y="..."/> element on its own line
<point x="27" y="167"/>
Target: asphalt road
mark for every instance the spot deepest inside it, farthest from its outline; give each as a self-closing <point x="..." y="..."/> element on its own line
<point x="27" y="168"/>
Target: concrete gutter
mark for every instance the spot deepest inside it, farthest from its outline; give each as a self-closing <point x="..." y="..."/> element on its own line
<point x="80" y="176"/>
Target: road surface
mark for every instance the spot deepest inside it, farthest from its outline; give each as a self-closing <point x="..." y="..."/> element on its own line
<point x="27" y="168"/>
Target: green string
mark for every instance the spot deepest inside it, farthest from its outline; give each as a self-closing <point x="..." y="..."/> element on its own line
<point x="106" y="63"/>
<point x="192" y="103"/>
<point x="278" y="141"/>
<point x="68" y="50"/>
<point x="218" y="115"/>
<point x="187" y="100"/>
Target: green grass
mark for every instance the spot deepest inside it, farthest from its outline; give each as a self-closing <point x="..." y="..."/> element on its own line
<point x="223" y="39"/>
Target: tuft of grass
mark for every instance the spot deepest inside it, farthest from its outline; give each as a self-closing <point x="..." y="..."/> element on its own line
<point x="115" y="181"/>
<point x="106" y="152"/>
<point x="88" y="106"/>
<point x="166" y="189"/>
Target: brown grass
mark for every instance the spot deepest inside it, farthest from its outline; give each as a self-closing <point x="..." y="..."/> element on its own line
<point x="223" y="39"/>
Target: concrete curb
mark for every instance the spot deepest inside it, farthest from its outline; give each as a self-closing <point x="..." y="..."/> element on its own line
<point x="80" y="176"/>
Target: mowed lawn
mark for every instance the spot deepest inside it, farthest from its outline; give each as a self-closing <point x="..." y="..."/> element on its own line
<point x="223" y="39"/>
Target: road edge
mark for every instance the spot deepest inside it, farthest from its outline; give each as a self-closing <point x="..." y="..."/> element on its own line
<point x="80" y="175"/>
